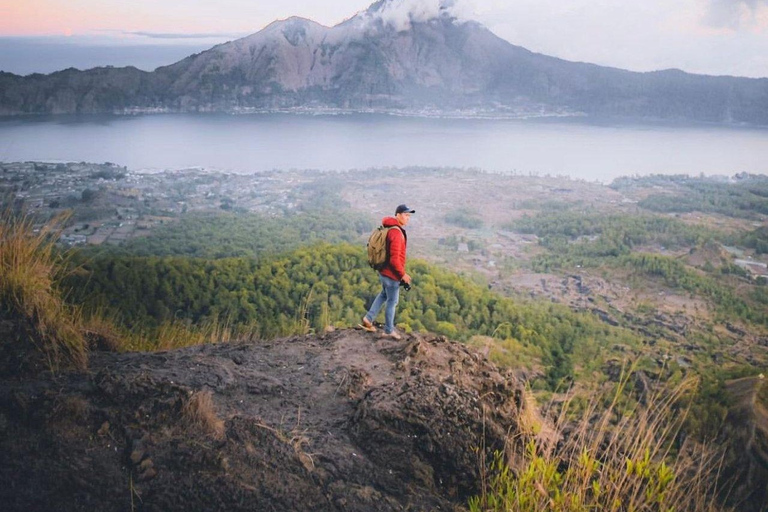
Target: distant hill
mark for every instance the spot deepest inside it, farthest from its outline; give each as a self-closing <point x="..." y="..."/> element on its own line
<point x="368" y="63"/>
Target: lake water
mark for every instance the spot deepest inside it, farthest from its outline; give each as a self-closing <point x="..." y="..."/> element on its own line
<point x="249" y="143"/>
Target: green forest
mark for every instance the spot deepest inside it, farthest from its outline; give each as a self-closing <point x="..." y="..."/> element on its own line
<point x="228" y="235"/>
<point x="588" y="238"/>
<point x="326" y="284"/>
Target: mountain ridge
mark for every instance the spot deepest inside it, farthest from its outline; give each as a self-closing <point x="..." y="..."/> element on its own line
<point x="371" y="63"/>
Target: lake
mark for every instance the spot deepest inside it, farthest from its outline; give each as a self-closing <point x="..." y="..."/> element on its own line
<point x="248" y="143"/>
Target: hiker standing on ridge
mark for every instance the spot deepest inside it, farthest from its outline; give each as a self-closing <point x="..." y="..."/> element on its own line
<point x="392" y="273"/>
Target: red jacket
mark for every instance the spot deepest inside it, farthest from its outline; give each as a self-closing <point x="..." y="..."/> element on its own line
<point x="397" y="240"/>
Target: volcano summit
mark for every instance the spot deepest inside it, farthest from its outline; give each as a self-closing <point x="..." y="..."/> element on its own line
<point x="393" y="57"/>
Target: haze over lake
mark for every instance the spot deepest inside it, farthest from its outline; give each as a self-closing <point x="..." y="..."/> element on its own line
<point x="258" y="142"/>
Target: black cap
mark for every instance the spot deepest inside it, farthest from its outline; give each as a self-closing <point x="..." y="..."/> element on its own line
<point x="403" y="209"/>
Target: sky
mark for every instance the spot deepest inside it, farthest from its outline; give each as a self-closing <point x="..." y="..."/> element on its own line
<point x="717" y="37"/>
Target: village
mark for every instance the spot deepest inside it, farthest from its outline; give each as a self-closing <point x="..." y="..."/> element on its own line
<point x="111" y="204"/>
<point x="463" y="220"/>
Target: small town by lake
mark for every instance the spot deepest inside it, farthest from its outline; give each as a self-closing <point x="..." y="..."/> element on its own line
<point x="259" y="142"/>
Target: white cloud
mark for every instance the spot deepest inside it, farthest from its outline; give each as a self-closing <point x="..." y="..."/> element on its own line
<point x="640" y="36"/>
<point x="736" y="14"/>
<point x="399" y="14"/>
<point x="698" y="36"/>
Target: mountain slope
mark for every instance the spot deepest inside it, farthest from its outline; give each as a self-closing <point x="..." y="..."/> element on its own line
<point x="367" y="62"/>
<point x="338" y="422"/>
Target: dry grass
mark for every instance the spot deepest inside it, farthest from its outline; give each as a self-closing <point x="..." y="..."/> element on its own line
<point x="29" y="269"/>
<point x="178" y="334"/>
<point x="101" y="331"/>
<point x="614" y="458"/>
<point x="296" y="439"/>
<point x="198" y="411"/>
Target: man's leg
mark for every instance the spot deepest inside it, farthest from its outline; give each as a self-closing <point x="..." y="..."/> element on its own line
<point x="378" y="302"/>
<point x="392" y="289"/>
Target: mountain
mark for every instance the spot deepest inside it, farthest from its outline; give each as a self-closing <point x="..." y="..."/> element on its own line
<point x="379" y="61"/>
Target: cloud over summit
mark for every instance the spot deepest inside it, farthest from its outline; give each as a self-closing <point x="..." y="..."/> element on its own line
<point x="399" y="14"/>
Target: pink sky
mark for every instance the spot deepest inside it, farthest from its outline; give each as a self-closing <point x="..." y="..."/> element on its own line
<point x="52" y="17"/>
<point x="699" y="36"/>
<point x="82" y="17"/>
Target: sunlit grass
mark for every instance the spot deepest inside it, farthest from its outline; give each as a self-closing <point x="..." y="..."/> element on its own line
<point x="29" y="270"/>
<point x="614" y="458"/>
<point x="104" y="330"/>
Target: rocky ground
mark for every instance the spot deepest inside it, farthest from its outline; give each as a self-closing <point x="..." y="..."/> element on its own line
<point x="343" y="421"/>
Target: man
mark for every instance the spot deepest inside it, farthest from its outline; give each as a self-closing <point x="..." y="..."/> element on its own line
<point x="392" y="274"/>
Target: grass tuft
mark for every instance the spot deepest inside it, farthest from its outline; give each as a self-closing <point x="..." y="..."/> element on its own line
<point x="198" y="411"/>
<point x="619" y="458"/>
<point x="178" y="334"/>
<point x="29" y="271"/>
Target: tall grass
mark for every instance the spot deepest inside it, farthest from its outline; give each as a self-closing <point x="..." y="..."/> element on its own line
<point x="177" y="334"/>
<point x="104" y="330"/>
<point x="29" y="269"/>
<point x="199" y="412"/>
<point x="615" y="458"/>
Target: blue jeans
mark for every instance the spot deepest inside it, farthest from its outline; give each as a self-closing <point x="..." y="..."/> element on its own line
<point x="390" y="293"/>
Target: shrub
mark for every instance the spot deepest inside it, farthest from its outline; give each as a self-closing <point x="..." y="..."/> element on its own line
<point x="29" y="271"/>
<point x="464" y="218"/>
<point x="198" y="411"/>
<point x="615" y="460"/>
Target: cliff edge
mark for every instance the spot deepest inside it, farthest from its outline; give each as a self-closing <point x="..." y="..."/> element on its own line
<point x="342" y="421"/>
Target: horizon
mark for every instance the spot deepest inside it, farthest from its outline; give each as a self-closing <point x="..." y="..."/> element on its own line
<point x="711" y="37"/>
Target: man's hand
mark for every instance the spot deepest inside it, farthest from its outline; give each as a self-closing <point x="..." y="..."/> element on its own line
<point x="407" y="279"/>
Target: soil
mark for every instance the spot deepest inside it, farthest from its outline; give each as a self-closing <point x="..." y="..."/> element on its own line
<point x="343" y="421"/>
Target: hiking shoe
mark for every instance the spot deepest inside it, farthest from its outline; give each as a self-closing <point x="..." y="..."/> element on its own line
<point x="391" y="335"/>
<point x="366" y="325"/>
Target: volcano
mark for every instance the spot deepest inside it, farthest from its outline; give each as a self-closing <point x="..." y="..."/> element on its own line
<point x="385" y="60"/>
